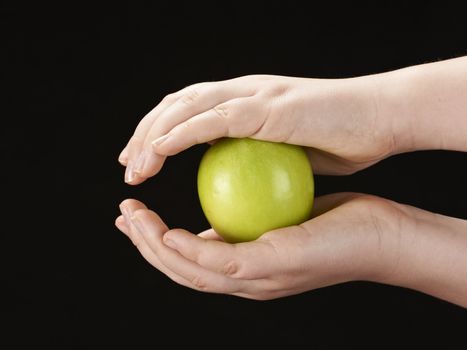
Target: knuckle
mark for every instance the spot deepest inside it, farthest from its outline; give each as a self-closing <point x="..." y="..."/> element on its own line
<point x="230" y="268"/>
<point x="190" y="96"/>
<point x="277" y="90"/>
<point x="199" y="283"/>
<point x="241" y="269"/>
<point x="222" y="111"/>
<point x="136" y="140"/>
<point x="198" y="257"/>
<point x="170" y="98"/>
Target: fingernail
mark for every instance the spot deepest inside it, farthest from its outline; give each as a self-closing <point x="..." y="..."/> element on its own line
<point x="168" y="242"/>
<point x="126" y="215"/>
<point x="137" y="223"/>
<point x="139" y="165"/>
<point x="159" y="140"/>
<point x="129" y="174"/>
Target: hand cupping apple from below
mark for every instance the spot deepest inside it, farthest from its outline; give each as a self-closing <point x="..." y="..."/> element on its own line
<point x="248" y="187"/>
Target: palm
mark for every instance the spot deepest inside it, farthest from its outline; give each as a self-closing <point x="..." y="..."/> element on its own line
<point x="334" y="246"/>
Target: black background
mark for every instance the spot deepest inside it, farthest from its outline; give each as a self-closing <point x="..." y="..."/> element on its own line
<point x="89" y="74"/>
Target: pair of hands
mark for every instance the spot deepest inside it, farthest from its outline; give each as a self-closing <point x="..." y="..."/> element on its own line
<point x="344" y="129"/>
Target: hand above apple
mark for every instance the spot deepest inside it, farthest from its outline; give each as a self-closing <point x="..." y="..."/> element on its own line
<point x="344" y="125"/>
<point x="336" y="120"/>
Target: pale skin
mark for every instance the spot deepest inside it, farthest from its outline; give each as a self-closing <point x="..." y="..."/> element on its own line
<point x="345" y="125"/>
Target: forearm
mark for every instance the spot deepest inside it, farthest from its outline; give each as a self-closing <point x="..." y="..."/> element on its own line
<point x="426" y="105"/>
<point x="432" y="256"/>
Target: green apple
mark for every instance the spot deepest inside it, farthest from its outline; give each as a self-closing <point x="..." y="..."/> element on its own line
<point x="248" y="187"/>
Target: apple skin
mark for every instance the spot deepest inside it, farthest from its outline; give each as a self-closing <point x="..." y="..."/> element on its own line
<point x="248" y="187"/>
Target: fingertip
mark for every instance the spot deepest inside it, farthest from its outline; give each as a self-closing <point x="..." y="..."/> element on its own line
<point x="171" y="143"/>
<point x="180" y="239"/>
<point x="152" y="166"/>
<point x="168" y="241"/>
<point x="133" y="177"/>
<point x="212" y="142"/>
<point x="123" y="157"/>
<point x="160" y="140"/>
<point x="132" y="201"/>
<point x="162" y="148"/>
<point x="177" y="234"/>
<point x="148" y="217"/>
<point x="129" y="206"/>
<point x="171" y="147"/>
<point x="140" y="213"/>
<point x="211" y="235"/>
<point x="136" y="180"/>
<point x="120" y="223"/>
<point x="125" y="203"/>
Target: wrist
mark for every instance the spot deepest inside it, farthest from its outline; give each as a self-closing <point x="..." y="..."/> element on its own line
<point x="385" y="222"/>
<point x="431" y="255"/>
<point x="424" y="105"/>
<point x="395" y="90"/>
<point x="363" y="100"/>
<point x="371" y="250"/>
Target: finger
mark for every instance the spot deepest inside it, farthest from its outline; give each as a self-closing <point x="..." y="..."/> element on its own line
<point x="145" y="123"/>
<point x="152" y="229"/>
<point x="240" y="117"/>
<point x="123" y="157"/>
<point x="196" y="99"/>
<point x="253" y="289"/>
<point x="133" y="177"/>
<point x="121" y="225"/>
<point x="152" y="258"/>
<point x="126" y="208"/>
<point x="213" y="142"/>
<point x="135" y="160"/>
<point x="246" y="261"/>
<point x="328" y="202"/>
<point x="130" y="230"/>
<point x="261" y="289"/>
<point x="131" y="155"/>
<point x="150" y="159"/>
<point x="211" y="234"/>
